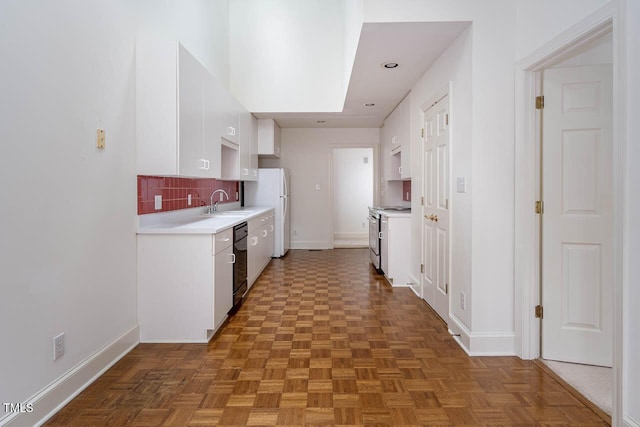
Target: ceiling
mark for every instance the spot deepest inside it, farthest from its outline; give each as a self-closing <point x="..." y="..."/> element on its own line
<point x="415" y="46"/>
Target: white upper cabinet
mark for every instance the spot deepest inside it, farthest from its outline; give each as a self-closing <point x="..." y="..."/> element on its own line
<point x="396" y="143"/>
<point x="268" y="138"/>
<point x="176" y="132"/>
<point x="248" y="141"/>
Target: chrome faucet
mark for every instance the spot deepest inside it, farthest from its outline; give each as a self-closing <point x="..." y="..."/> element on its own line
<point x="213" y="207"/>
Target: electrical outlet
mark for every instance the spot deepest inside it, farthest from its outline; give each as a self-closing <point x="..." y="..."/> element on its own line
<point x="158" y="202"/>
<point x="58" y="346"/>
<point x="463" y="303"/>
<point x="189" y="199"/>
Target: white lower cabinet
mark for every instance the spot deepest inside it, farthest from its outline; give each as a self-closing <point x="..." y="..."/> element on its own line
<point x="260" y="245"/>
<point x="222" y="281"/>
<point x="185" y="285"/>
<point x="395" y="248"/>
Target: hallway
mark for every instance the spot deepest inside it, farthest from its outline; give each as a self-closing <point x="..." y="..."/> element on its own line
<point x="323" y="340"/>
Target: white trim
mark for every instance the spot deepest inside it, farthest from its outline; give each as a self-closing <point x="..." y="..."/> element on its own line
<point x="438" y="95"/>
<point x="53" y="397"/>
<point x="527" y="281"/>
<point x="482" y="343"/>
<point x="630" y="421"/>
<point x="376" y="189"/>
<point x="416" y="286"/>
<point x="311" y="244"/>
<point x="564" y="44"/>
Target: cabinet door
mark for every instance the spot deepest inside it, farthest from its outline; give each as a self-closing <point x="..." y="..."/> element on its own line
<point x="384" y="244"/>
<point x="214" y="119"/>
<point x="253" y="172"/>
<point x="404" y="131"/>
<point x="270" y="240"/>
<point x="222" y="285"/>
<point x="244" y="141"/>
<point x="253" y="257"/>
<point x="232" y="109"/>
<point x="191" y="90"/>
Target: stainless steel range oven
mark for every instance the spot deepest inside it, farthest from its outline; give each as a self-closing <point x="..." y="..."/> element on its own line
<point x="374" y="238"/>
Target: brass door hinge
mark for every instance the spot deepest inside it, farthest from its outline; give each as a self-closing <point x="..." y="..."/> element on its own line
<point x="446" y="119"/>
<point x="421" y="268"/>
<point x="539" y="102"/>
<point x="539" y="207"/>
<point x="422" y="201"/>
<point x="539" y="311"/>
<point x="446" y="203"/>
<point x="422" y="133"/>
<point x="446" y="288"/>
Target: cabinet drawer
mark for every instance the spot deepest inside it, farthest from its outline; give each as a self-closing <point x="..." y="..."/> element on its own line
<point x="258" y="222"/>
<point x="222" y="239"/>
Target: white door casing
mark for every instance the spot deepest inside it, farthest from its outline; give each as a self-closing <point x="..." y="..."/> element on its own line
<point x="577" y="223"/>
<point x="435" y="210"/>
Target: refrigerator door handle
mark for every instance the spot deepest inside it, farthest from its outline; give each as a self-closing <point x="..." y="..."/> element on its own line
<point x="284" y="180"/>
<point x="286" y="206"/>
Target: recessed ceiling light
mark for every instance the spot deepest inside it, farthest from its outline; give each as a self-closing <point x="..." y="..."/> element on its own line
<point x="389" y="65"/>
<point x="371" y="104"/>
<point x="320" y="121"/>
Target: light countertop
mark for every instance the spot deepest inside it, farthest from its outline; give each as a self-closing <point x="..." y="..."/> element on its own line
<point x="393" y="214"/>
<point x="194" y="222"/>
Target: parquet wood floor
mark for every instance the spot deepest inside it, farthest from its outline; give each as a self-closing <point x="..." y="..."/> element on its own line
<point x="323" y="340"/>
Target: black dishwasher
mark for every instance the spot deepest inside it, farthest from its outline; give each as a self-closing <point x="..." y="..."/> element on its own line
<point x="240" y="233"/>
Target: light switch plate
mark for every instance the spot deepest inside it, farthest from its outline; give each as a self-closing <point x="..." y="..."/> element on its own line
<point x="158" y="202"/>
<point x="461" y="184"/>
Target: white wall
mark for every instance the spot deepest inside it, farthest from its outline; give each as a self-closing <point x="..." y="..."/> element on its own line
<point x="307" y="154"/>
<point x="541" y="20"/>
<point x="353" y="10"/>
<point x="352" y="192"/>
<point x="287" y="55"/>
<point x="453" y="66"/>
<point x="631" y="326"/>
<point x="554" y="17"/>
<point x="486" y="253"/>
<point x="68" y="245"/>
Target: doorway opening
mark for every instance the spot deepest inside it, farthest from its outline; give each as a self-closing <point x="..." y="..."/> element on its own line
<point x="528" y="228"/>
<point x="576" y="219"/>
<point x="352" y="178"/>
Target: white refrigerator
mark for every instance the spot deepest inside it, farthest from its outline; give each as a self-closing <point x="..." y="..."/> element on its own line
<point x="272" y="189"/>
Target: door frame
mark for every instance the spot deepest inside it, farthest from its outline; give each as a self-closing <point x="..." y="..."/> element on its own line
<point x="376" y="179"/>
<point x="527" y="183"/>
<point x="441" y="93"/>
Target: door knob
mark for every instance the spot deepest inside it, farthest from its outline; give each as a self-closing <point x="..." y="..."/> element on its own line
<point x="432" y="217"/>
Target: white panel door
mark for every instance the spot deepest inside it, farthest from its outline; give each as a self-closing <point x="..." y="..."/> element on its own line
<point x="435" y="218"/>
<point x="577" y="223"/>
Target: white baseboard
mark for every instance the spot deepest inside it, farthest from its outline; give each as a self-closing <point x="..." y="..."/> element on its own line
<point x="481" y="343"/>
<point x="52" y="398"/>
<point x="310" y="244"/>
<point x="415" y="286"/>
<point x="630" y="421"/>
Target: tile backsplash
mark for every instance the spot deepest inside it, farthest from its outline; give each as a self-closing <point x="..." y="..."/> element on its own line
<point x="175" y="192"/>
<point x="406" y="191"/>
